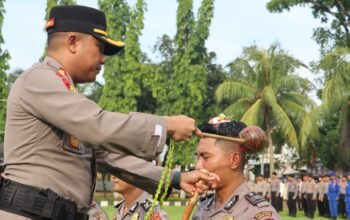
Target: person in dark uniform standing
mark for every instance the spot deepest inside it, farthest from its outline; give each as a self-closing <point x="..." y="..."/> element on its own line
<point x="232" y="199"/>
<point x="325" y="196"/>
<point x="54" y="136"/>
<point x="320" y="195"/>
<point x="292" y="192"/>
<point x="275" y="191"/>
<point x="341" y="204"/>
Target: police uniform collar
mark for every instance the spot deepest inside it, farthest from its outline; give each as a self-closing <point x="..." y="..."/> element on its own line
<point x="56" y="66"/>
<point x="119" y="204"/>
<point x="234" y="197"/>
<point x="141" y="198"/>
<point x="52" y="62"/>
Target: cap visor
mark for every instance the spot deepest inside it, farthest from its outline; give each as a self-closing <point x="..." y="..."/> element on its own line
<point x="112" y="47"/>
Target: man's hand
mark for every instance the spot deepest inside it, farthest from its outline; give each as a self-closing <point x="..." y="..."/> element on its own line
<point x="198" y="181"/>
<point x="181" y="127"/>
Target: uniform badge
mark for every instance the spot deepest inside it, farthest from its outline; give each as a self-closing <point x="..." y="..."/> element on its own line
<point x="135" y="216"/>
<point x="50" y="23"/>
<point x="262" y="215"/>
<point x="73" y="141"/>
<point x="155" y="216"/>
<point x="227" y="217"/>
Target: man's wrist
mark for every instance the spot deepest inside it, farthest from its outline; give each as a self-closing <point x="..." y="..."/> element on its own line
<point x="176" y="180"/>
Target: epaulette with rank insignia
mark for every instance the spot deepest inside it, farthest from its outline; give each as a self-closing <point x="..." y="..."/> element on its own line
<point x="256" y="199"/>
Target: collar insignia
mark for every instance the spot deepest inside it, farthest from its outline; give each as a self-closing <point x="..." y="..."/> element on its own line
<point x="146" y="205"/>
<point x="134" y="207"/>
<point x="231" y="203"/>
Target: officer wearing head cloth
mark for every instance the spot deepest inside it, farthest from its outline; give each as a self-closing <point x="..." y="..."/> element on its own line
<point x="54" y="135"/>
<point x="232" y="199"/>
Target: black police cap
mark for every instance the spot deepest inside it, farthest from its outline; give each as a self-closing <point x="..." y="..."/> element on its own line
<point x="82" y="19"/>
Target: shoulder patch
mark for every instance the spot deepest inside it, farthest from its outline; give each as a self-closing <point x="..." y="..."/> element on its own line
<point x="261" y="215"/>
<point x="254" y="198"/>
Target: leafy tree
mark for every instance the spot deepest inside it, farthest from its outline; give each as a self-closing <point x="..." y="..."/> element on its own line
<point x="264" y="90"/>
<point x="186" y="73"/>
<point x="122" y="21"/>
<point x="335" y="67"/>
<point x="335" y="14"/>
<point x="4" y="66"/>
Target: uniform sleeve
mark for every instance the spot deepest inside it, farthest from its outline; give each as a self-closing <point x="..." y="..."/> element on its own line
<point x="45" y="96"/>
<point x="140" y="173"/>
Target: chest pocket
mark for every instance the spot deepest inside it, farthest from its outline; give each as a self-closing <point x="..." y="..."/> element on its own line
<point x="72" y="144"/>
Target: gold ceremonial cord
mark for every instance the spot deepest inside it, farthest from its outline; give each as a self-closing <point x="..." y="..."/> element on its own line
<point x="165" y="177"/>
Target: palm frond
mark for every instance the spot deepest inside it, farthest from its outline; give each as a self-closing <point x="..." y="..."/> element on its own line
<point x="237" y="109"/>
<point x="280" y="117"/>
<point x="293" y="110"/>
<point x="231" y="91"/>
<point x="309" y="126"/>
<point x="299" y="99"/>
<point x="254" y="115"/>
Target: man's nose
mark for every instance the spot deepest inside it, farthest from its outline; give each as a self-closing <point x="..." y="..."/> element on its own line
<point x="199" y="165"/>
<point x="103" y="59"/>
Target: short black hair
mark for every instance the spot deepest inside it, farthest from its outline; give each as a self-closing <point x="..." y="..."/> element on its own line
<point x="229" y="129"/>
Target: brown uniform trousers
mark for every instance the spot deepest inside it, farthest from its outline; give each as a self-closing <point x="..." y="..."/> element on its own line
<point x="54" y="136"/>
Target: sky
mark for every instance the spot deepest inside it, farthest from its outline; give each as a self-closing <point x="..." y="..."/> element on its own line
<point x="236" y="24"/>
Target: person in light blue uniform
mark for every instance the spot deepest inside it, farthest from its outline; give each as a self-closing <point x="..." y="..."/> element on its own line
<point x="333" y="195"/>
<point x="347" y="197"/>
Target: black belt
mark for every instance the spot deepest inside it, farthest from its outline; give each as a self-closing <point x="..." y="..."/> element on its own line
<point x="35" y="203"/>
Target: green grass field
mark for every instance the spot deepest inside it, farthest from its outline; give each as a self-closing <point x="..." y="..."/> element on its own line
<point x="175" y="213"/>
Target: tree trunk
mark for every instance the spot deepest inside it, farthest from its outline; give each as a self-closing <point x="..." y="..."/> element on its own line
<point x="269" y="138"/>
<point x="344" y="145"/>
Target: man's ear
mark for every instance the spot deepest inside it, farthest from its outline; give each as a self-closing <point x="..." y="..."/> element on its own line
<point x="235" y="160"/>
<point x="72" y="42"/>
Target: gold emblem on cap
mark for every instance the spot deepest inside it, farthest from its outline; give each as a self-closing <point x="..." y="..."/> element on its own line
<point x="73" y="141"/>
<point x="227" y="217"/>
<point x="50" y="23"/>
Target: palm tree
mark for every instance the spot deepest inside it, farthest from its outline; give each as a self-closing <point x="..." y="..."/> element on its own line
<point x="335" y="66"/>
<point x="264" y="90"/>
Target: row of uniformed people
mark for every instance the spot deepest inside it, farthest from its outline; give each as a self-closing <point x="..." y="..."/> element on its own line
<point x="326" y="192"/>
